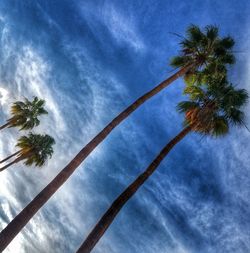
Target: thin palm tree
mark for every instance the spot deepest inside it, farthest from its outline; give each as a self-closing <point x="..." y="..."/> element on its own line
<point x="199" y="50"/>
<point x="25" y="114"/>
<point x="35" y="149"/>
<point x="209" y="112"/>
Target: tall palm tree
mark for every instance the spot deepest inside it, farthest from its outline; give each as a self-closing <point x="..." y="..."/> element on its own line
<point x="34" y="149"/>
<point x="199" y="50"/>
<point x="25" y="114"/>
<point x="209" y="112"/>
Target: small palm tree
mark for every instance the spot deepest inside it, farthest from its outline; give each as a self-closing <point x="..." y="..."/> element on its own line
<point x="34" y="149"/>
<point x="202" y="53"/>
<point x="25" y="114"/>
<point x="209" y="112"/>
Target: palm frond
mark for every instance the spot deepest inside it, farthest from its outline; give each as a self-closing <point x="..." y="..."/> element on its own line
<point x="227" y="42"/>
<point x="227" y="59"/>
<point x="195" y="92"/>
<point x="185" y="106"/>
<point x="178" y="61"/>
<point x="194" y="32"/>
<point x="235" y="116"/>
<point x="212" y="32"/>
<point x="220" y="126"/>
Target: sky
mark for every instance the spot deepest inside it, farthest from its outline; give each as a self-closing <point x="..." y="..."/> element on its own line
<point x="89" y="59"/>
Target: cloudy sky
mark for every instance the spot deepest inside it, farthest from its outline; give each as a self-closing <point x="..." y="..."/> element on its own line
<point x="89" y="59"/>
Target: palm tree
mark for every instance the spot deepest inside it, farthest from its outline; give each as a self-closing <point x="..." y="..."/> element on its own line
<point x="25" y="114"/>
<point x="209" y="112"/>
<point x="199" y="50"/>
<point x="34" y="149"/>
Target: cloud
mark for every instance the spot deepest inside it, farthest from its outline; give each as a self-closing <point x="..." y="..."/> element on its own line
<point x="3" y="96"/>
<point x="197" y="190"/>
<point x="31" y="75"/>
<point x="122" y="27"/>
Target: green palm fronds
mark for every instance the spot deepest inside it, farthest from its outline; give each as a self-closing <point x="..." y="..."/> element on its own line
<point x="36" y="148"/>
<point x="25" y="114"/>
<point x="211" y="109"/>
<point x="206" y="51"/>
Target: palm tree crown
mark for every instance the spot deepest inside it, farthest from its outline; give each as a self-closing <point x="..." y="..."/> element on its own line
<point x="204" y="48"/>
<point x="212" y="109"/>
<point x="36" y="148"/>
<point x="25" y="114"/>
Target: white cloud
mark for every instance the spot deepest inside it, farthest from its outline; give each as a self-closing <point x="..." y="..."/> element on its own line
<point x="122" y="28"/>
<point x="30" y="77"/>
<point x="4" y="95"/>
<point x="31" y="74"/>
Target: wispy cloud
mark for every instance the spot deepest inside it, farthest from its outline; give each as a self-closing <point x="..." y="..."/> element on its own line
<point x="122" y="28"/>
<point x="31" y="75"/>
<point x="180" y="209"/>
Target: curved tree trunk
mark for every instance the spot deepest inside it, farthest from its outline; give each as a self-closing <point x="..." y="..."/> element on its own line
<point x="117" y="205"/>
<point x="8" y="157"/>
<point x="5" y="125"/>
<point x="14" y="227"/>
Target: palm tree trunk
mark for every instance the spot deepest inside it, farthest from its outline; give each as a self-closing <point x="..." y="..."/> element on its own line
<point x="117" y="205"/>
<point x="7" y="158"/>
<point x="5" y="125"/>
<point x="14" y="227"/>
<point x="18" y="159"/>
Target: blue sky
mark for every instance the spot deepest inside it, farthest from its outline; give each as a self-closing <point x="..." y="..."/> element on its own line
<point x="89" y="59"/>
